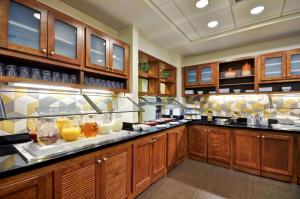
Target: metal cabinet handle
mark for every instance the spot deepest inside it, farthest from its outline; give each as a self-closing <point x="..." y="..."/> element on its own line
<point x="263" y="137"/>
<point x="52" y="53"/>
<point x="104" y="159"/>
<point x="154" y="140"/>
<point x="99" y="161"/>
<point x="44" y="50"/>
<point x="258" y="136"/>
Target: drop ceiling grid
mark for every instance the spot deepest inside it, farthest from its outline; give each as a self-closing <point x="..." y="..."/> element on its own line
<point x="192" y="22"/>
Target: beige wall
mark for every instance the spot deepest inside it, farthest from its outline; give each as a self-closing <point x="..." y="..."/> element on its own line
<point x="250" y="50"/>
<point x="68" y="10"/>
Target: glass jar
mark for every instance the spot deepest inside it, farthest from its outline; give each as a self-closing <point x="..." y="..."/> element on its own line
<point x="89" y="127"/>
<point x="11" y="71"/>
<point x="64" y="78"/>
<point x="72" y="131"/>
<point x="56" y="77"/>
<point x="73" y="79"/>
<point x="105" y="124"/>
<point x="117" y="123"/>
<point x="47" y="133"/>
<point x="24" y="72"/>
<point x="47" y="75"/>
<point x="36" y="74"/>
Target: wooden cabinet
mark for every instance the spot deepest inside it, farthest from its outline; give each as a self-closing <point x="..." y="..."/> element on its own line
<point x="246" y="151"/>
<point x="24" y="26"/>
<point x="36" y="187"/>
<point x="181" y="144"/>
<point x="272" y="66"/>
<point x="149" y="162"/>
<point x="277" y="154"/>
<point x="97" y="49"/>
<point x="119" y="57"/>
<point x="65" y="38"/>
<point x="207" y="74"/>
<point x="219" y="146"/>
<point x="197" y="142"/>
<point x="191" y="76"/>
<point x="293" y="64"/>
<point x="105" y="176"/>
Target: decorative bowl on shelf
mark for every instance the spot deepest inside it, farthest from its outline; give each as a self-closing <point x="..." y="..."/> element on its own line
<point x="230" y="73"/>
<point x="286" y="89"/>
<point x="246" y="69"/>
<point x="237" y="90"/>
<point x="200" y="92"/>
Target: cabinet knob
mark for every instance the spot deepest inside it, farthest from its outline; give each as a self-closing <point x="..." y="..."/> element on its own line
<point x="154" y="140"/>
<point x="99" y="161"/>
<point x="257" y="136"/>
<point x="104" y="159"/>
<point x="52" y="53"/>
<point x="44" y="50"/>
<point x="263" y="137"/>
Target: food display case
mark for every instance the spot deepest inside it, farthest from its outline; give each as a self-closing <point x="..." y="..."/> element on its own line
<point x="59" y="122"/>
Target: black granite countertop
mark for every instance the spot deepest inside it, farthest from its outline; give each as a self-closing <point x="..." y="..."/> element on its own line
<point x="12" y="161"/>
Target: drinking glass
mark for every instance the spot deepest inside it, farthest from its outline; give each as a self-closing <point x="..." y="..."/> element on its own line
<point x="122" y="85"/>
<point x="47" y="75"/>
<point x="12" y="71"/>
<point x="24" y="72"/>
<point x="108" y="84"/>
<point x="118" y="85"/>
<point x="2" y="68"/>
<point x="56" y="77"/>
<point x="113" y="84"/>
<point x="97" y="82"/>
<point x="36" y="74"/>
<point x="73" y="79"/>
<point x="102" y="83"/>
<point x="64" y="78"/>
<point x="91" y="81"/>
<point x="86" y="81"/>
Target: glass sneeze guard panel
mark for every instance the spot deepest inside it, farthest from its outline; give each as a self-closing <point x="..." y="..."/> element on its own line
<point x="206" y="74"/>
<point x="114" y="104"/>
<point x="273" y="67"/>
<point x="22" y="104"/>
<point x="118" y="57"/>
<point x="98" y="51"/>
<point x="24" y="25"/>
<point x="295" y="64"/>
<point x="65" y="39"/>
<point x="165" y="102"/>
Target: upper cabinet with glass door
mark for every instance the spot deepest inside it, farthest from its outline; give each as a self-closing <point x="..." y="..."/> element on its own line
<point x="119" y="57"/>
<point x="273" y="66"/>
<point x="293" y="64"/>
<point x="24" y="26"/>
<point x="65" y="38"/>
<point x="206" y="74"/>
<point x="191" y="76"/>
<point x="97" y="49"/>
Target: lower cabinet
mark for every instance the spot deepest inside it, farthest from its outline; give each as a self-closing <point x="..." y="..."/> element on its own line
<point x="176" y="146"/>
<point x="37" y="187"/>
<point x="149" y="162"/>
<point x="105" y="176"/>
<point x="277" y="156"/>
<point x="246" y="151"/>
<point x="219" y="146"/>
<point x="197" y="142"/>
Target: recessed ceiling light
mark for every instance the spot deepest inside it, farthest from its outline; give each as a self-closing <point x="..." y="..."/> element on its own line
<point x="257" y="10"/>
<point x="212" y="24"/>
<point x="202" y="3"/>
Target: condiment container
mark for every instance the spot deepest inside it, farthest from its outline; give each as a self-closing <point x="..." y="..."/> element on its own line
<point x="117" y="123"/>
<point x="89" y="127"/>
<point x="61" y="123"/>
<point x="70" y="133"/>
<point x="106" y="125"/>
<point x="47" y="133"/>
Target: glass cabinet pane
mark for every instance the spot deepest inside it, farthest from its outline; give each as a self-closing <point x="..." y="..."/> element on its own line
<point x="273" y="67"/>
<point x="206" y="74"/>
<point x="65" y="39"/>
<point x="24" y="25"/>
<point x="118" y="57"/>
<point x="192" y="76"/>
<point x="98" y="51"/>
<point x="295" y="64"/>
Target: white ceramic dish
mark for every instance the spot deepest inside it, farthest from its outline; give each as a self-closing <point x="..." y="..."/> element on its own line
<point x="237" y="90"/>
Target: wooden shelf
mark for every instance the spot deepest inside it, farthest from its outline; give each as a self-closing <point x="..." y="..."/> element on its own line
<point x="167" y="81"/>
<point x="147" y="75"/>
<point x="238" y="77"/>
<point x="236" y="84"/>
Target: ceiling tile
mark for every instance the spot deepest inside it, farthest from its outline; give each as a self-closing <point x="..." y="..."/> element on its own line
<point x="189" y="31"/>
<point x="173" y="12"/>
<point x="159" y="2"/>
<point x="241" y="11"/>
<point x="191" y="11"/>
<point x="224" y="17"/>
<point x="291" y="6"/>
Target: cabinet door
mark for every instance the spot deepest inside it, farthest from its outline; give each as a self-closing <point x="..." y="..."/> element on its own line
<point x="277" y="154"/>
<point x="293" y="64"/>
<point x="37" y="187"/>
<point x="181" y="144"/>
<point x="172" y="149"/>
<point x="198" y="141"/>
<point x="24" y="26"/>
<point x="159" y="157"/>
<point x="65" y="38"/>
<point x="219" y="144"/>
<point x="116" y="174"/>
<point x="298" y="165"/>
<point x="206" y="74"/>
<point x="119" y="57"/>
<point x="246" y="149"/>
<point x="76" y="181"/>
<point x="191" y="76"/>
<point x="142" y="165"/>
<point x="273" y="66"/>
<point x="97" y="49"/>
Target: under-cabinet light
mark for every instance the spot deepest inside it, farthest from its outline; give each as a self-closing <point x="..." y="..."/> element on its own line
<point x="41" y="86"/>
<point x="95" y="91"/>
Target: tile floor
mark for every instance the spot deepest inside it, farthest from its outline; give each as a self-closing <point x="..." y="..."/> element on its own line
<point x="196" y="180"/>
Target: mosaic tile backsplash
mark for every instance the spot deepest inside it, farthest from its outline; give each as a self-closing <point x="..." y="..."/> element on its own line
<point x="268" y="105"/>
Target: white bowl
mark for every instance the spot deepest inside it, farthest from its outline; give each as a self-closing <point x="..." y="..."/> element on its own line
<point x="237" y="90"/>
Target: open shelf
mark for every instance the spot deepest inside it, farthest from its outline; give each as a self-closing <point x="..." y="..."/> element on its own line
<point x="237" y="77"/>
